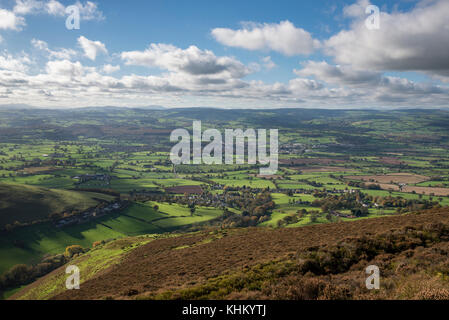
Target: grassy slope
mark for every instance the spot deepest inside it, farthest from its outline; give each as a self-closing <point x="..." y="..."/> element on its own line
<point x="91" y="263"/>
<point x="136" y="220"/>
<point x="26" y="203"/>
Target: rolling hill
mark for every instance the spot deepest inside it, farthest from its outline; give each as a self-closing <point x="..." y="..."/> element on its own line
<point x="25" y="204"/>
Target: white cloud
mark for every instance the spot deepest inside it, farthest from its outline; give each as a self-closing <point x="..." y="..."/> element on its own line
<point x="268" y="63"/>
<point x="63" y="82"/>
<point x="55" y="8"/>
<point x="416" y="40"/>
<point x="8" y="20"/>
<point x="357" y="9"/>
<point x="108" y="68"/>
<point x="304" y="85"/>
<point x="370" y="83"/>
<point x="283" y="37"/>
<point x="63" y="54"/>
<point x="9" y="62"/>
<point x="24" y="7"/>
<point x="66" y="82"/>
<point x="39" y="44"/>
<point x="91" y="48"/>
<point x="88" y="10"/>
<point x="192" y="61"/>
<point x="65" y="67"/>
<point x="338" y="74"/>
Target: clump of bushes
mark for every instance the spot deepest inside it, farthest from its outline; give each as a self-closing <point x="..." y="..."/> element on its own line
<point x="22" y="274"/>
<point x="339" y="258"/>
<point x="74" y="250"/>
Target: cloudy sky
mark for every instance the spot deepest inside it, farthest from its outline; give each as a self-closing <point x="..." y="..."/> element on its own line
<point x="228" y="54"/>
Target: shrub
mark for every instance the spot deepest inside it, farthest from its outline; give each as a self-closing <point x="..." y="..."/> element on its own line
<point x="72" y="250"/>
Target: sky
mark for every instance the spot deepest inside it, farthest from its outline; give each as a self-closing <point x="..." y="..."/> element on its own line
<point x="225" y="54"/>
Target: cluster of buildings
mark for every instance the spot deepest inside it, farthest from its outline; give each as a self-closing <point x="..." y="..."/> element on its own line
<point x="89" y="215"/>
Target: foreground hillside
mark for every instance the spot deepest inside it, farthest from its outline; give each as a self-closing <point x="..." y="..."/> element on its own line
<point x="313" y="262"/>
<point x="25" y="204"/>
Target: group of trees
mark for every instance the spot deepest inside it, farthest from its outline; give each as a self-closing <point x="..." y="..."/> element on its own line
<point x="256" y="208"/>
<point x="23" y="274"/>
<point x="347" y="201"/>
<point x="358" y="202"/>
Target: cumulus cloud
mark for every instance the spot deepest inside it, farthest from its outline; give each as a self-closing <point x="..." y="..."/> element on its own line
<point x="283" y="37"/>
<point x="268" y="63"/>
<point x="55" y="8"/>
<point x="65" y="81"/>
<point x="369" y="83"/>
<point x="65" y="68"/>
<point x="88" y="10"/>
<point x="108" y="68"/>
<point x="91" y="48"/>
<point x="192" y="61"/>
<point x="9" y="20"/>
<point x="357" y="9"/>
<point x="304" y="85"/>
<point x="14" y="63"/>
<point x="23" y="7"/>
<point x="336" y="74"/>
<point x="64" y="54"/>
<point x="415" y="40"/>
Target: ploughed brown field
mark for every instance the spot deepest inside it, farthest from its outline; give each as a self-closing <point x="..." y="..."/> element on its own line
<point x="317" y="161"/>
<point x="184" y="266"/>
<point x="185" y="189"/>
<point x="407" y="178"/>
<point x="419" y="190"/>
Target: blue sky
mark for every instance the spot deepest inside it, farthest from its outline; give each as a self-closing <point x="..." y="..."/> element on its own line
<point x="246" y="54"/>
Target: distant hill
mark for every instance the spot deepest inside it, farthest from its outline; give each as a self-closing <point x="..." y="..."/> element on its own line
<point x="16" y="106"/>
<point x="24" y="203"/>
<point x="152" y="107"/>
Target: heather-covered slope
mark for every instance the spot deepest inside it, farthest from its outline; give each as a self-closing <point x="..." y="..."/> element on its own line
<point x="321" y="261"/>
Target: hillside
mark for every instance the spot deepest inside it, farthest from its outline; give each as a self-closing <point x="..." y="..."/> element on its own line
<point x="25" y="203"/>
<point x="314" y="262"/>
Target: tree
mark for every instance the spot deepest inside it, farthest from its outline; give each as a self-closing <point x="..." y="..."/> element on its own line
<point x="70" y="251"/>
<point x="360" y="212"/>
<point x="192" y="211"/>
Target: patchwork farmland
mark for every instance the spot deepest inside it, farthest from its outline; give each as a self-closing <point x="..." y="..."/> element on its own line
<point x="108" y="180"/>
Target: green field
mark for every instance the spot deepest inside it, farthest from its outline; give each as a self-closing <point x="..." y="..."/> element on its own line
<point x="138" y="219"/>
